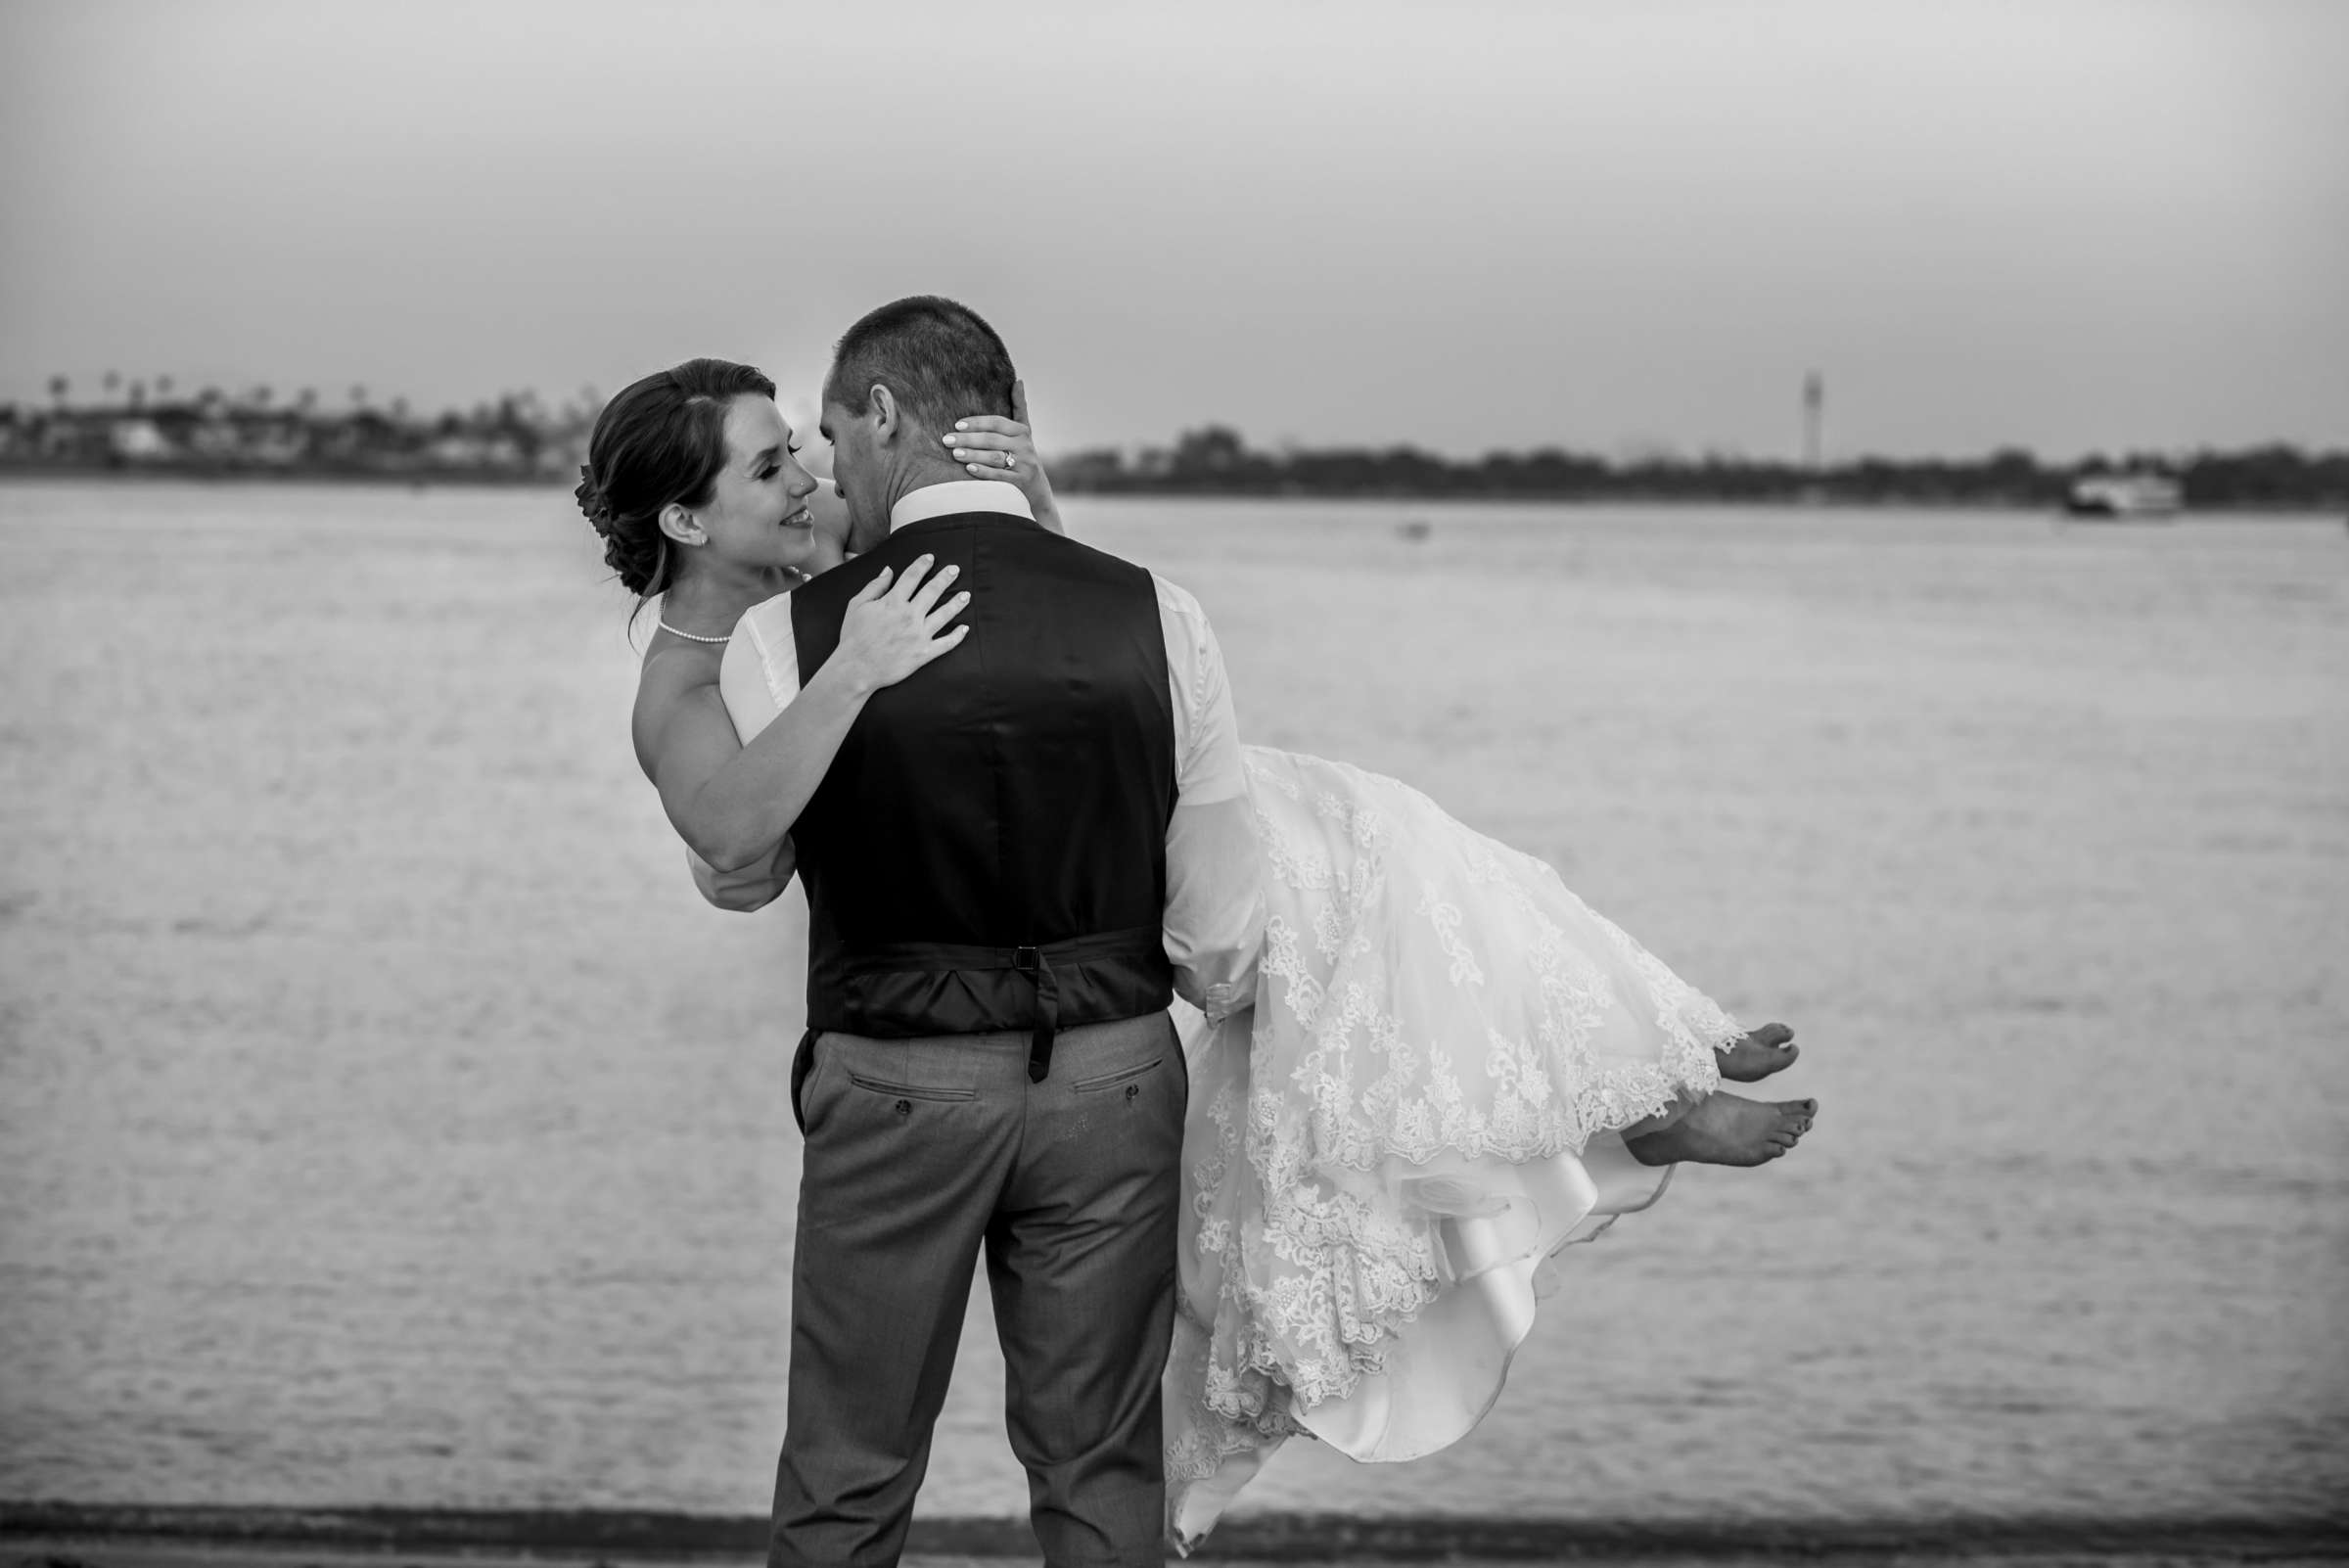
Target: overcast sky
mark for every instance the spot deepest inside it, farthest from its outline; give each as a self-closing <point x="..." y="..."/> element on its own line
<point x="2069" y="225"/>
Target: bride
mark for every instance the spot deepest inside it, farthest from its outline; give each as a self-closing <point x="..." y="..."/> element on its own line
<point x="1449" y="1069"/>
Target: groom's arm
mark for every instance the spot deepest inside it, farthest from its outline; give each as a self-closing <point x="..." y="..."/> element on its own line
<point x="1215" y="916"/>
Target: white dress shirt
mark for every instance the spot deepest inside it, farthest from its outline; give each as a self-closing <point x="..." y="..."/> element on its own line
<point x="1214" y="908"/>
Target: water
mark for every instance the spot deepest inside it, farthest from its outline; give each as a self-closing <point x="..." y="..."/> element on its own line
<point x="383" y="1119"/>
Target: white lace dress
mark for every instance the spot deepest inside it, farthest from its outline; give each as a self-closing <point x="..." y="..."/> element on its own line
<point x="1426" y="1102"/>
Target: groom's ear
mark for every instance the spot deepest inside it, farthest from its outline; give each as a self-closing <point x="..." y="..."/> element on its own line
<point x="888" y="419"/>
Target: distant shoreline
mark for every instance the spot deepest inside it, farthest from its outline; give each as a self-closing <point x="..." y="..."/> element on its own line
<point x="461" y="478"/>
<point x="518" y="439"/>
<point x="473" y="1534"/>
<point x="199" y="474"/>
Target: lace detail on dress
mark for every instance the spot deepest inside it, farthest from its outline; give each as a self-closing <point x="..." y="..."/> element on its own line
<point x="1428" y="998"/>
<point x="1446" y="918"/>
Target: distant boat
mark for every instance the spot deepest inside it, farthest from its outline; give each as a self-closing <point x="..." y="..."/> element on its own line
<point x="2125" y="496"/>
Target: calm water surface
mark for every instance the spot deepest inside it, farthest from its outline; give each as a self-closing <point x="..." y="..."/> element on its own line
<point x="383" y="1119"/>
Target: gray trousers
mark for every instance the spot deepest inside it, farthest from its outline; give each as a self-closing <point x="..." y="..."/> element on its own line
<point x="921" y="1153"/>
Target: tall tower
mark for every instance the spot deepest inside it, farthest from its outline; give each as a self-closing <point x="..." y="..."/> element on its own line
<point x="1814" y="410"/>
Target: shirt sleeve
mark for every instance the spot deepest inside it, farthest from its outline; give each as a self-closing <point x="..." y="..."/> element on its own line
<point x="1214" y="918"/>
<point x="1206" y="736"/>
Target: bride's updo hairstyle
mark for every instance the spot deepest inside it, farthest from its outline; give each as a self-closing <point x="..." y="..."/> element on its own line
<point x="662" y="440"/>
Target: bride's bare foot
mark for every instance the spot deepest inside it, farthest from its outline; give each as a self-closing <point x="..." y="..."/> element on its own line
<point x="1726" y="1129"/>
<point x="1755" y="1056"/>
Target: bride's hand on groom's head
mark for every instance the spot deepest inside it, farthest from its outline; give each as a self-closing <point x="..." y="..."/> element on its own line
<point x="991" y="446"/>
<point x="897" y="625"/>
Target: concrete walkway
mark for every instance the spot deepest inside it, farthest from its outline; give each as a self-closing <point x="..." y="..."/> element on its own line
<point x="83" y="1535"/>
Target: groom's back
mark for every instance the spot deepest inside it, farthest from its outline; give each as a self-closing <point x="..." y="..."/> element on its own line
<point x="1001" y="812"/>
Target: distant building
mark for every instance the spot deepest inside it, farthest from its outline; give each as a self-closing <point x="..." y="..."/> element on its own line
<point x="139" y="441"/>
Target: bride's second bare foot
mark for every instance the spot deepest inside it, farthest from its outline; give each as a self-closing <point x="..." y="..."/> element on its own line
<point x="1755" y="1056"/>
<point x="1726" y="1129"/>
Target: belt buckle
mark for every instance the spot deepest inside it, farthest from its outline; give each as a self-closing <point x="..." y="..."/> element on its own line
<point x="1027" y="961"/>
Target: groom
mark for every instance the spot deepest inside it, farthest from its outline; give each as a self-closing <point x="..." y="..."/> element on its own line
<point x="1018" y="856"/>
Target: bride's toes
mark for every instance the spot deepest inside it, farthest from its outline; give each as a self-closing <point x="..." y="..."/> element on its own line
<point x="1755" y="1056"/>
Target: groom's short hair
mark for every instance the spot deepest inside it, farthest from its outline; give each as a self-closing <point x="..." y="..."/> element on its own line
<point x="939" y="360"/>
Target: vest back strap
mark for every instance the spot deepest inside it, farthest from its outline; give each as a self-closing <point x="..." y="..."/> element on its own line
<point x="1033" y="962"/>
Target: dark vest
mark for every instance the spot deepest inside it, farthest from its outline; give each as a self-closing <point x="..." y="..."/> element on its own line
<point x="987" y="852"/>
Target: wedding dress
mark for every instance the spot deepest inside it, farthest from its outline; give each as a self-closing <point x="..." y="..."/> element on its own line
<point x="1426" y="1101"/>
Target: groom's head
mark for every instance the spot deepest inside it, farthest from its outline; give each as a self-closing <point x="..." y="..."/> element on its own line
<point x="899" y="379"/>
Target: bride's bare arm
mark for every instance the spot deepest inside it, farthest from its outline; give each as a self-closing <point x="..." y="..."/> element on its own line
<point x="734" y="804"/>
<point x="752" y="887"/>
<point x="991" y="446"/>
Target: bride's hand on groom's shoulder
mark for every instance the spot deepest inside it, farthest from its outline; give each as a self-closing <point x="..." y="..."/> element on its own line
<point x="896" y="624"/>
<point x="991" y="446"/>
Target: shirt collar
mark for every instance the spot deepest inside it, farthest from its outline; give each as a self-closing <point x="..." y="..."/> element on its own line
<point x="959" y="496"/>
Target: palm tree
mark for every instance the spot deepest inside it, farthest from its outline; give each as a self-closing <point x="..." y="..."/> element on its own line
<point x="359" y="396"/>
<point x="110" y="381"/>
<point x="306" y="399"/>
<point x="59" y="386"/>
<point x="138" y="394"/>
<point x="163" y="388"/>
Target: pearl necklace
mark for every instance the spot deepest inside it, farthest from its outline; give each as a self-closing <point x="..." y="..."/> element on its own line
<point x="692" y="636"/>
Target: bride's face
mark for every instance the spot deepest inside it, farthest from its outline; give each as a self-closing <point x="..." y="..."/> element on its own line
<point x="757" y="514"/>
